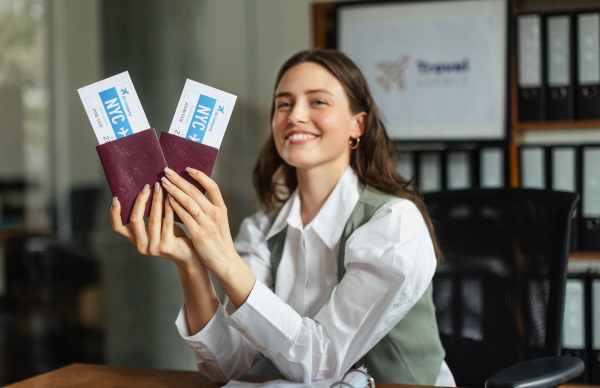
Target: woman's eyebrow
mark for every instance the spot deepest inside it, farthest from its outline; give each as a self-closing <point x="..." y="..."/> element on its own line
<point x="318" y="91"/>
<point x="283" y="94"/>
<point x="288" y="94"/>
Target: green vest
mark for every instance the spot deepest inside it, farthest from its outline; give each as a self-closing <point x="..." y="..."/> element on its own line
<point x="411" y="353"/>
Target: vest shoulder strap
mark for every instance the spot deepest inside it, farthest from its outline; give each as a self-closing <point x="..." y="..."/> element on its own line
<point x="369" y="202"/>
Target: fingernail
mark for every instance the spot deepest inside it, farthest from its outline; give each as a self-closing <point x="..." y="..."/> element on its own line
<point x="114" y="201"/>
<point x="167" y="202"/>
<point x="170" y="197"/>
<point x="156" y="187"/>
<point x="191" y="170"/>
<point x="169" y="172"/>
<point x="165" y="181"/>
<point x="146" y="188"/>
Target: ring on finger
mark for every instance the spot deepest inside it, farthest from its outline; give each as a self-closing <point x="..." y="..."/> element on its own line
<point x="198" y="215"/>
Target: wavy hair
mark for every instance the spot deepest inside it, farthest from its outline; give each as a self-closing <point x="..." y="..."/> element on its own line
<point x="375" y="159"/>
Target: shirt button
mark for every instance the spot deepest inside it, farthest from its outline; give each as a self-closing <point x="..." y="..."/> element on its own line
<point x="199" y="348"/>
<point x="262" y="348"/>
<point x="242" y="330"/>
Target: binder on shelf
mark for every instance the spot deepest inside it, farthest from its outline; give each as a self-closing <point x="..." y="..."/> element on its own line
<point x="588" y="66"/>
<point x="492" y="168"/>
<point x="458" y="170"/>
<point x="590" y="199"/>
<point x="574" y="337"/>
<point x="429" y="171"/>
<point x="406" y="165"/>
<point x="533" y="167"/>
<point x="559" y="68"/>
<point x="530" y="71"/>
<point x="594" y="326"/>
<point x="564" y="167"/>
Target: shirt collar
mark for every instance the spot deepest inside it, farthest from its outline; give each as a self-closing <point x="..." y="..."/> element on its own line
<point x="331" y="219"/>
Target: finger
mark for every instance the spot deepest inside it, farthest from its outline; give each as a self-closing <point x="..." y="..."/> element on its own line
<point x="191" y="205"/>
<point x="187" y="188"/>
<point x="137" y="220"/>
<point x="155" y="220"/>
<point x="185" y="216"/>
<point x="211" y="187"/>
<point x="117" y="224"/>
<point x="168" y="221"/>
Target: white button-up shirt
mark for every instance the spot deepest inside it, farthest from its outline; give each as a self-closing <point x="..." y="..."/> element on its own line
<point x="311" y="327"/>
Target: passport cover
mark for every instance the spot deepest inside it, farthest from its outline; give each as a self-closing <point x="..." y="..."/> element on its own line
<point x="129" y="163"/>
<point x="181" y="153"/>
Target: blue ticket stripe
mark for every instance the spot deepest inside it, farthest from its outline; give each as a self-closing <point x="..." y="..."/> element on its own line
<point x="199" y="122"/>
<point x="116" y="113"/>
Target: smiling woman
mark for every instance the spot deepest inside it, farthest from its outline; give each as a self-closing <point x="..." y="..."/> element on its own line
<point x="335" y="271"/>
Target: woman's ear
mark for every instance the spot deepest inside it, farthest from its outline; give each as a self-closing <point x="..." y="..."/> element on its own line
<point x="358" y="129"/>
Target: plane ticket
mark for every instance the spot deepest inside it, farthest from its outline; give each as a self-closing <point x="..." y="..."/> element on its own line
<point x="202" y="114"/>
<point x="113" y="108"/>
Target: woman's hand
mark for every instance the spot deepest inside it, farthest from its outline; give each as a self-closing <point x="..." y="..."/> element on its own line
<point x="205" y="220"/>
<point x="162" y="238"/>
<point x="207" y="224"/>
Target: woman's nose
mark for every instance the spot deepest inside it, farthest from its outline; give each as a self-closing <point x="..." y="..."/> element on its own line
<point x="298" y="115"/>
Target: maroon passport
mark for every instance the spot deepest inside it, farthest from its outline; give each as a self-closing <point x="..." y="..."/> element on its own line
<point x="181" y="153"/>
<point x="129" y="163"/>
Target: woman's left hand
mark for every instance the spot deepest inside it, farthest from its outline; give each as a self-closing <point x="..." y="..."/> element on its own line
<point x="208" y="226"/>
<point x="205" y="220"/>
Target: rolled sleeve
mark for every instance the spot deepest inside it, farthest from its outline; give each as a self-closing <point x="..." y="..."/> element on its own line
<point x="266" y="321"/>
<point x="215" y="335"/>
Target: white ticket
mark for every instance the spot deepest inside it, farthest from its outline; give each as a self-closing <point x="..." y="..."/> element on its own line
<point x="202" y="114"/>
<point x="113" y="108"/>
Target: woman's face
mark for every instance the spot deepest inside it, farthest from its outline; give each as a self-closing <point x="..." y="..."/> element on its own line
<point x="313" y="122"/>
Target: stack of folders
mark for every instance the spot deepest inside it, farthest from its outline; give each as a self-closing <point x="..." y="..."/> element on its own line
<point x="573" y="169"/>
<point x="558" y="72"/>
<point x="581" y="324"/>
<point x="436" y="170"/>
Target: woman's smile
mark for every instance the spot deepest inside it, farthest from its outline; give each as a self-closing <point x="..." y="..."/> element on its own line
<point x="296" y="136"/>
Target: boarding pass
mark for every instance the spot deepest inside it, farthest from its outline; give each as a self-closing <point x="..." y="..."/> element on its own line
<point x="202" y="114"/>
<point x="113" y="108"/>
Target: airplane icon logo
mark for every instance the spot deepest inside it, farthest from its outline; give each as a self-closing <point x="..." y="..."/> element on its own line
<point x="123" y="131"/>
<point x="124" y="91"/>
<point x="194" y="138"/>
<point x="221" y="109"/>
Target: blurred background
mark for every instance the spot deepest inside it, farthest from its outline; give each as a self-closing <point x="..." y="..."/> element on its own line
<point x="72" y="290"/>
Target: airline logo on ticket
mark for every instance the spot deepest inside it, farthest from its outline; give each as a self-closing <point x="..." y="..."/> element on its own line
<point x="113" y="108"/>
<point x="202" y="114"/>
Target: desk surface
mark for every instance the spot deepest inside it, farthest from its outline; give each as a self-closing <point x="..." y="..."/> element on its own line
<point x="92" y="376"/>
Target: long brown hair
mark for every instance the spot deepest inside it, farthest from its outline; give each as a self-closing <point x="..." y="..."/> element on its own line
<point x="374" y="160"/>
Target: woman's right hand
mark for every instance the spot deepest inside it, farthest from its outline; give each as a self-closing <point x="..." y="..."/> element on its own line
<point x="162" y="238"/>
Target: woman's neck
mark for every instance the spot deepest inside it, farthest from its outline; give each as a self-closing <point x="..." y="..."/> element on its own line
<point x="315" y="185"/>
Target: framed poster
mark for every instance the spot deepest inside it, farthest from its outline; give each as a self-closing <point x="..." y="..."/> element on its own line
<point x="438" y="70"/>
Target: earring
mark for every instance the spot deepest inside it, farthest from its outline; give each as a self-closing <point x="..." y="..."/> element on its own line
<point x="355" y="145"/>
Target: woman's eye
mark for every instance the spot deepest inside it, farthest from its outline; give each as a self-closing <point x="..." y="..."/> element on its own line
<point x="284" y="105"/>
<point x="319" y="102"/>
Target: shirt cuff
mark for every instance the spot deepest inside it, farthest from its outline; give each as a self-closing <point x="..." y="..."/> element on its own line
<point x="215" y="335"/>
<point x="266" y="321"/>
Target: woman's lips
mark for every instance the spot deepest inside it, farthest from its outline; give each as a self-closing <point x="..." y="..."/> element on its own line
<point x="300" y="138"/>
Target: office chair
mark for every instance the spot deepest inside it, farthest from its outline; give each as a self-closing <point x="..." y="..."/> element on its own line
<point x="499" y="290"/>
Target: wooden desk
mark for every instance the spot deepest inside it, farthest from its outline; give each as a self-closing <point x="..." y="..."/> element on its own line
<point x="92" y="376"/>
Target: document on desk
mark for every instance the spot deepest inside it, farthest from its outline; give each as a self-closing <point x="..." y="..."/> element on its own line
<point x="281" y="384"/>
<point x="113" y="107"/>
<point x="202" y="114"/>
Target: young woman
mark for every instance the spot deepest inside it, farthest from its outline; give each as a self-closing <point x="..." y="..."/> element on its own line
<point x="334" y="272"/>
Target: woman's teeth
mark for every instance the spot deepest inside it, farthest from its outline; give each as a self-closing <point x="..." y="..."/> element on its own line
<point x="301" y="136"/>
